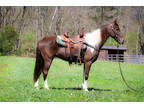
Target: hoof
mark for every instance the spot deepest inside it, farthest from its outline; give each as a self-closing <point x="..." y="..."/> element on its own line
<point x="36" y="88"/>
<point x="84" y="87"/>
<point x="86" y="90"/>
<point x="46" y="88"/>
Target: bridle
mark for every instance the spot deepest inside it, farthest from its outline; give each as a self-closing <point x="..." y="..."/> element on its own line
<point x="115" y="37"/>
<point x="115" y="33"/>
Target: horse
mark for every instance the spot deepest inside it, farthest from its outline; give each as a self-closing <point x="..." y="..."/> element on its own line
<point x="47" y="49"/>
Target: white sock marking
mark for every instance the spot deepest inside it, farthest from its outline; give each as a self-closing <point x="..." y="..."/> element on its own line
<point x="46" y="84"/>
<point x="84" y="85"/>
<point x="36" y="84"/>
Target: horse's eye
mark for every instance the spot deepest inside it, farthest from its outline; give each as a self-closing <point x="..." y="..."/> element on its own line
<point x="117" y="29"/>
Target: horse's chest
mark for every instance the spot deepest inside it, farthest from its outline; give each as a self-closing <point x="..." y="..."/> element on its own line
<point x="91" y="56"/>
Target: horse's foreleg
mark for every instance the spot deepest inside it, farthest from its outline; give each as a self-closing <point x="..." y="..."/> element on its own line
<point x="47" y="64"/>
<point x="87" y="66"/>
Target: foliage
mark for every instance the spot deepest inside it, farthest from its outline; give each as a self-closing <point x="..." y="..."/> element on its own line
<point x="105" y="83"/>
<point x="111" y="41"/>
<point x="8" y="39"/>
<point x="131" y="39"/>
<point x="28" y="44"/>
<point x="30" y="21"/>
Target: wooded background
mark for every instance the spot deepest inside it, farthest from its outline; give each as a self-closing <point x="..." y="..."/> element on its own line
<point x="21" y="27"/>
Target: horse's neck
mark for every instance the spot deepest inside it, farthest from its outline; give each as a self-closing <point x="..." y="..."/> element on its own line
<point x="97" y="38"/>
<point x="104" y="35"/>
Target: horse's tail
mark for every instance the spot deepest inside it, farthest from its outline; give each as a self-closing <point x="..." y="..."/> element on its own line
<point x="38" y="64"/>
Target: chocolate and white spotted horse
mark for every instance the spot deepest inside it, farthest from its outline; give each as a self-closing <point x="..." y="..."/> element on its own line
<point x="48" y="49"/>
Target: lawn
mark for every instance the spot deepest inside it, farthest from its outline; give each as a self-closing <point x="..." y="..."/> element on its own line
<point x="105" y="83"/>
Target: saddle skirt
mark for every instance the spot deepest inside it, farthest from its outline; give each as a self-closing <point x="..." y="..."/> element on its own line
<point x="73" y="46"/>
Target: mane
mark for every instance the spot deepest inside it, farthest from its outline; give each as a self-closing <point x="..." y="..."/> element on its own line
<point x="94" y="31"/>
<point x="91" y="33"/>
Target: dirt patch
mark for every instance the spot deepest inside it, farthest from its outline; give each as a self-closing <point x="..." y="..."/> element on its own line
<point x="2" y="66"/>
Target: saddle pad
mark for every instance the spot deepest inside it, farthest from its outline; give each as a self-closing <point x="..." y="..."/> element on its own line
<point x="83" y="47"/>
<point x="60" y="42"/>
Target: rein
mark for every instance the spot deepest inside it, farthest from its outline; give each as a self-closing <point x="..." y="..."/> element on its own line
<point x="116" y="34"/>
<point x="123" y="78"/>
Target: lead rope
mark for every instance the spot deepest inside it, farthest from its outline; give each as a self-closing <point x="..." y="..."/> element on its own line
<point x="123" y="75"/>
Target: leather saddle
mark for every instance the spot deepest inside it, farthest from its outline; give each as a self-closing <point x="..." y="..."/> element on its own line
<point x="74" y="45"/>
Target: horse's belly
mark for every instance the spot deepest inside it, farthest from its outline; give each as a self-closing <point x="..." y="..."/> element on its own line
<point x="67" y="54"/>
<point x="61" y="53"/>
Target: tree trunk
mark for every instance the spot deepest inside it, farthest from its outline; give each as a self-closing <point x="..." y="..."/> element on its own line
<point x="52" y="20"/>
<point x="21" y="26"/>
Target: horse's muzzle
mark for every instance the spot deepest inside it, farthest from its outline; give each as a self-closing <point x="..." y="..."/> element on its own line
<point x="122" y="42"/>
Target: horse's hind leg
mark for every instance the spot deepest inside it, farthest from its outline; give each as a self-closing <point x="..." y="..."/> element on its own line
<point x="47" y="64"/>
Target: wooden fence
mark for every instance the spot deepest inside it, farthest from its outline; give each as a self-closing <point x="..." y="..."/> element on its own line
<point x="137" y="59"/>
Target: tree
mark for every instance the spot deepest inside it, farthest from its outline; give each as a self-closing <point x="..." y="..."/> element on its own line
<point x="8" y="38"/>
<point x="21" y="23"/>
<point x="52" y="19"/>
<point x="139" y="13"/>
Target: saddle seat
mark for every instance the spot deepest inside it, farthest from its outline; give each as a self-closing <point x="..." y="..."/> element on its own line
<point x="74" y="44"/>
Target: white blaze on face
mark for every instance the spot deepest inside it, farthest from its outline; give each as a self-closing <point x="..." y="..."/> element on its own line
<point x="94" y="39"/>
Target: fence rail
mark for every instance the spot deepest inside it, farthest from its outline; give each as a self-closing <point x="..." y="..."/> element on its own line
<point x="137" y="59"/>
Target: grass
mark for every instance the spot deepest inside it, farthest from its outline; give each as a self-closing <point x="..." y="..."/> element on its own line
<point x="105" y="83"/>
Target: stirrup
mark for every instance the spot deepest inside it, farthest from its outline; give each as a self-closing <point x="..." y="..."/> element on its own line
<point x="79" y="60"/>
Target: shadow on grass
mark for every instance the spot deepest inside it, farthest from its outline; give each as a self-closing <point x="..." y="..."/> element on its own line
<point x="90" y="89"/>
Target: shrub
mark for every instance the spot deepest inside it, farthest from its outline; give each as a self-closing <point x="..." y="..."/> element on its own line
<point x="8" y="38"/>
<point x="131" y="39"/>
<point x="28" y="44"/>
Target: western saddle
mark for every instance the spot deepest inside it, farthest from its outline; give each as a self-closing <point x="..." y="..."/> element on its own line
<point x="75" y="43"/>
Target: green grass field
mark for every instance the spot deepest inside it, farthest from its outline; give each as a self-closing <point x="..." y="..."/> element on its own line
<point x="105" y="83"/>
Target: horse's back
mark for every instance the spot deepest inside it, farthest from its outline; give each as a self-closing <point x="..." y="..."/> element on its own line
<point x="48" y="38"/>
<point x="47" y="41"/>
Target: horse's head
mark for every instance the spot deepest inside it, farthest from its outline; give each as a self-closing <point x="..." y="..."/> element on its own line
<point x="114" y="32"/>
